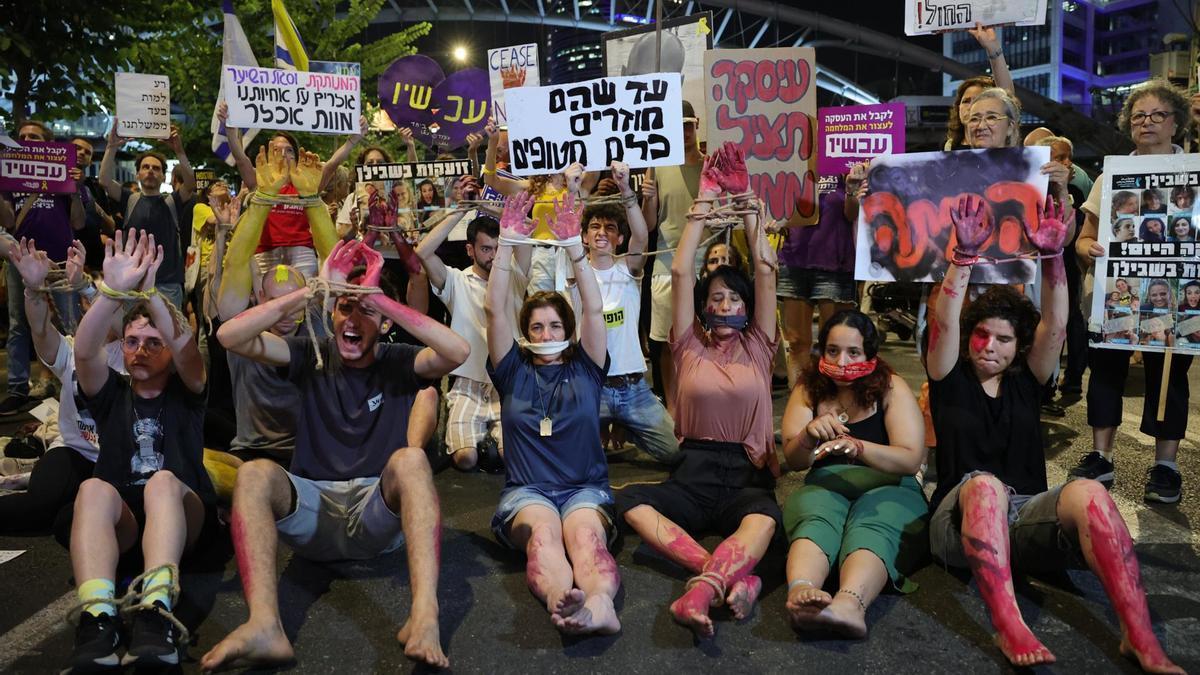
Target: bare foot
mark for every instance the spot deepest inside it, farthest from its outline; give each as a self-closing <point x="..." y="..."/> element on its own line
<point x="804" y="602"/>
<point x="1152" y="659"/>
<point x="742" y="596"/>
<point x="250" y="645"/>
<point x="843" y="616"/>
<point x="691" y="610"/>
<point x="422" y="641"/>
<point x="596" y="615"/>
<point x="1021" y="648"/>
<point x="569" y="603"/>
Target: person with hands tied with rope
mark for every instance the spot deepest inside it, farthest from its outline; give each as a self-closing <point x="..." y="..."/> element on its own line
<point x="556" y="505"/>
<point x="993" y="511"/>
<point x="723" y="341"/>
<point x="149" y="483"/>
<point x="359" y="484"/>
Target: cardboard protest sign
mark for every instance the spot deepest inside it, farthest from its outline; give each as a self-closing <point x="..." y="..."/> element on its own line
<point x="922" y="17"/>
<point x="765" y="101"/>
<point x="904" y="227"/>
<point x="405" y="195"/>
<point x="34" y="166"/>
<point x="634" y="51"/>
<point x="632" y="119"/>
<point x="440" y="110"/>
<point x="143" y="105"/>
<point x="1146" y="293"/>
<point x="272" y="98"/>
<point x="510" y="67"/>
<point x="858" y="133"/>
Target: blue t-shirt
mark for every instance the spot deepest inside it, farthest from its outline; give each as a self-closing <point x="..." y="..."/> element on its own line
<point x="570" y="393"/>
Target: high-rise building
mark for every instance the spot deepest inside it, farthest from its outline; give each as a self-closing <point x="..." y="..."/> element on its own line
<point x="575" y="54"/>
<point x="1089" y="53"/>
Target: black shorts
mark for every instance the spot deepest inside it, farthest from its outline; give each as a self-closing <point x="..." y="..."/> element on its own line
<point x="710" y="491"/>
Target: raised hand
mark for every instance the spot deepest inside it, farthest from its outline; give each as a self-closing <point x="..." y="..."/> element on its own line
<point x="468" y="187"/>
<point x="856" y="178"/>
<point x="565" y="221"/>
<point x="734" y="177"/>
<point x="154" y="256"/>
<point x="620" y="175"/>
<point x="710" y="174"/>
<point x="175" y="141"/>
<point x="474" y="141"/>
<point x="363" y="128"/>
<point x="273" y="171"/>
<point x="407" y="135"/>
<point x="114" y="139"/>
<point x="374" y="262"/>
<point x="972" y="225"/>
<point x="125" y="260"/>
<point x="32" y="264"/>
<point x="649" y="188"/>
<point x="223" y="113"/>
<point x="76" y="259"/>
<point x="513" y="223"/>
<point x="306" y="176"/>
<point x="229" y="212"/>
<point x="340" y="263"/>
<point x="574" y="177"/>
<point x="986" y="37"/>
<point x="1052" y="231"/>
<point x="491" y="128"/>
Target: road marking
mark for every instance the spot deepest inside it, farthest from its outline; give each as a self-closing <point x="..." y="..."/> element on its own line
<point x="25" y="637"/>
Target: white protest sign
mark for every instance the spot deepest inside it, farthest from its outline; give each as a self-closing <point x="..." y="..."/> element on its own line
<point x="271" y="98"/>
<point x="143" y="105"/>
<point x="632" y="119"/>
<point x="922" y="17"/>
<point x="510" y="67"/>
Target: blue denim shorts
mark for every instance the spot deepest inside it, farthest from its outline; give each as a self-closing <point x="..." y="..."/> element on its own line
<point x="563" y="501"/>
<point x="801" y="283"/>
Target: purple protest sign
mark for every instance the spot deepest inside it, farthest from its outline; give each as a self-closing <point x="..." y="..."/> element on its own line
<point x="37" y="167"/>
<point x="858" y="133"/>
<point x="440" y="110"/>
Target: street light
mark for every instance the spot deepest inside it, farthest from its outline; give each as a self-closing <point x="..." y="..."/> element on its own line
<point x="460" y="54"/>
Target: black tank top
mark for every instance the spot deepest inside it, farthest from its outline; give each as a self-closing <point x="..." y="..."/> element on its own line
<point x="872" y="429"/>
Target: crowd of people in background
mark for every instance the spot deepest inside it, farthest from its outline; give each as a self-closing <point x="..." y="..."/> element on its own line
<point x="295" y="384"/>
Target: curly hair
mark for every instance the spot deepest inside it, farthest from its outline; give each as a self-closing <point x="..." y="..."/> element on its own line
<point x="956" y="129"/>
<point x="1167" y="93"/>
<point x="613" y="212"/>
<point x="868" y="390"/>
<point x="1001" y="302"/>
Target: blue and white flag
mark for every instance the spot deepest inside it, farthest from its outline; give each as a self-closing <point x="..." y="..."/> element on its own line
<point x="235" y="51"/>
<point x="290" y="53"/>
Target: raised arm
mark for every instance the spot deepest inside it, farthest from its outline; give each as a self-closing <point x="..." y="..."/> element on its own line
<point x="249" y="334"/>
<point x="410" y="143"/>
<point x="650" y="201"/>
<point x="639" y="236"/>
<point x="342" y="154"/>
<point x="593" y="334"/>
<point x="237" y="279"/>
<point x="184" y="167"/>
<point x="108" y="165"/>
<point x="307" y="176"/>
<point x="427" y="249"/>
<point x="854" y="180"/>
<point x="234" y="135"/>
<point x="125" y="263"/>
<point x="33" y="266"/>
<point x="1053" y="223"/>
<point x="987" y="38"/>
<point x="185" y="353"/>
<point x="972" y="227"/>
<point x="505" y="186"/>
<point x="735" y="179"/>
<point x="683" y="273"/>
<point x="473" y="143"/>
<point x="513" y="225"/>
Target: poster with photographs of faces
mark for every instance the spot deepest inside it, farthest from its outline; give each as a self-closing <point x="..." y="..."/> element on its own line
<point x="1147" y="288"/>
<point x="403" y="196"/>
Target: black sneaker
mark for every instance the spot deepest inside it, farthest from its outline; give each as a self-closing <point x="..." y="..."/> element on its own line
<point x="1164" y="484"/>
<point x="153" y="639"/>
<point x="1053" y="409"/>
<point x="13" y="404"/>
<point x="1094" y="466"/>
<point x="96" y="642"/>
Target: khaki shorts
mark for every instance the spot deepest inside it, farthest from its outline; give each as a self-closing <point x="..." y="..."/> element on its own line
<point x="340" y="520"/>
<point x="474" y="413"/>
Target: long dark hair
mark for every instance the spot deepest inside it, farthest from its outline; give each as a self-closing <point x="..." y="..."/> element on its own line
<point x="559" y="304"/>
<point x="868" y="390"/>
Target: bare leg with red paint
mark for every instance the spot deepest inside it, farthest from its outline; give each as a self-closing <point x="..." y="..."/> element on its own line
<point x="675" y="544"/>
<point x="538" y="530"/>
<point x="589" y="608"/>
<point x="1085" y="508"/>
<point x="984" y="504"/>
<point x="262" y="496"/>
<point x="407" y="485"/>
<point x="732" y="561"/>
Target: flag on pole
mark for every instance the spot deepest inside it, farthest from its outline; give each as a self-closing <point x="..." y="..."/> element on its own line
<point x="290" y="53"/>
<point x="235" y="51"/>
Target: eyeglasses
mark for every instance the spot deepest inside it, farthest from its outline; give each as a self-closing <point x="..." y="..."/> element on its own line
<point x="990" y="119"/>
<point x="131" y="345"/>
<point x="1157" y="117"/>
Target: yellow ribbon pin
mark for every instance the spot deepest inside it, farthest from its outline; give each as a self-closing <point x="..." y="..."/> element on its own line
<point x="702" y="28"/>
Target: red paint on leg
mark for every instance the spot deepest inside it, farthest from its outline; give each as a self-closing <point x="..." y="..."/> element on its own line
<point x="606" y="567"/>
<point x="237" y="531"/>
<point x="679" y="546"/>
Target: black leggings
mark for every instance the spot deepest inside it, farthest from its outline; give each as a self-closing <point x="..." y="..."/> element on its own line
<point x="1110" y="369"/>
<point x="52" y="485"/>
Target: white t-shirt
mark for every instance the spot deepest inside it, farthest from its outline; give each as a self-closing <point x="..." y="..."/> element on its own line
<point x="77" y="428"/>
<point x="464" y="295"/>
<point x="622" y="295"/>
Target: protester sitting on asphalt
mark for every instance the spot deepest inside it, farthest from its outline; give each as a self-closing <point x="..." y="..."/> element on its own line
<point x="856" y="423"/>
<point x="359" y="484"/>
<point x="993" y="512"/>
<point x="150" y="482"/>
<point x="71" y="457"/>
<point x="626" y="398"/>
<point x="723" y="343"/>
<point x="556" y="505"/>
<point x="1155" y="115"/>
